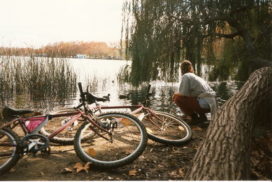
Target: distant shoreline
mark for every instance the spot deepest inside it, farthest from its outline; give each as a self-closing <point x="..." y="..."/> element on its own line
<point x="38" y="56"/>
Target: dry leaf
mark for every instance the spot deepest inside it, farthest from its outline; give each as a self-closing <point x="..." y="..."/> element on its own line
<point x="161" y="166"/>
<point x="125" y="122"/>
<point x="67" y="170"/>
<point x="80" y="167"/>
<point x="78" y="164"/>
<point x="181" y="172"/>
<point x="173" y="173"/>
<point x="181" y="128"/>
<point x="91" y="152"/>
<point x="149" y="130"/>
<point x="177" y="173"/>
<point x="132" y="172"/>
<point x="142" y="157"/>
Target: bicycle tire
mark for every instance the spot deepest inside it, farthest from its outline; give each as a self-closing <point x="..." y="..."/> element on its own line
<point x="8" y="145"/>
<point x="65" y="137"/>
<point x="122" y="150"/>
<point x="170" y="130"/>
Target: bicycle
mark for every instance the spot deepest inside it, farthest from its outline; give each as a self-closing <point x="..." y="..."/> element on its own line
<point x="161" y="127"/>
<point x="112" y="131"/>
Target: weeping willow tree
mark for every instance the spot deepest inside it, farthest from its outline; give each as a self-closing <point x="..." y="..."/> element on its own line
<point x="227" y="34"/>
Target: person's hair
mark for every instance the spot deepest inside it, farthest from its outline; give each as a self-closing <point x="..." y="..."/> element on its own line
<point x="186" y="66"/>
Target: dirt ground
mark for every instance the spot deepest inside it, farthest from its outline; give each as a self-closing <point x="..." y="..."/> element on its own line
<point x="158" y="162"/>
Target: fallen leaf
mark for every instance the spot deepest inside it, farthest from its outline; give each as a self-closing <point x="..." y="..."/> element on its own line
<point x="91" y="152"/>
<point x="173" y="173"/>
<point x="161" y="166"/>
<point x="80" y="167"/>
<point x="67" y="170"/>
<point x="125" y="122"/>
<point x="78" y="164"/>
<point x="132" y="172"/>
<point x="181" y="128"/>
<point x="142" y="157"/>
<point x="180" y="172"/>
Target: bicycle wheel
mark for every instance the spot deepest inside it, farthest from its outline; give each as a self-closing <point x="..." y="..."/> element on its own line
<point x="166" y="128"/>
<point x="9" y="150"/>
<point x="65" y="137"/>
<point x="128" y="140"/>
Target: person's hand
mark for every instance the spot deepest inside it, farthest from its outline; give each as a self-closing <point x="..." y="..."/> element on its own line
<point x="175" y="95"/>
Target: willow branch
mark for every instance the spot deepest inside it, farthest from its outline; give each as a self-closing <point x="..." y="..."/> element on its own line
<point x="229" y="36"/>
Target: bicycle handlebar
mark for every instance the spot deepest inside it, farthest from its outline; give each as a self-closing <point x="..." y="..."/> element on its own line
<point x="92" y="99"/>
<point x="86" y="96"/>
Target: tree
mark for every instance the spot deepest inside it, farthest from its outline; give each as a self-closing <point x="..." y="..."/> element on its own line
<point x="161" y="32"/>
<point x="224" y="154"/>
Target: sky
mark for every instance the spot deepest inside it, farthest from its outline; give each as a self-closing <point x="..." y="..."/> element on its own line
<point x="35" y="23"/>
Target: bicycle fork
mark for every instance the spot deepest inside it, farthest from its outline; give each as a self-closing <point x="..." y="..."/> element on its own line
<point x="94" y="126"/>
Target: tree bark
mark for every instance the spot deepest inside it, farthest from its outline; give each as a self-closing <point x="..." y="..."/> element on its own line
<point x="225" y="152"/>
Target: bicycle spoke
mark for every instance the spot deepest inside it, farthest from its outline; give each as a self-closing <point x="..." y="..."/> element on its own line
<point x="7" y="144"/>
<point x="6" y="155"/>
<point x="125" y="140"/>
<point x="166" y="128"/>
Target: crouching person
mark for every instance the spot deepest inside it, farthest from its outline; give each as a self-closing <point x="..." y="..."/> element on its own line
<point x="195" y="96"/>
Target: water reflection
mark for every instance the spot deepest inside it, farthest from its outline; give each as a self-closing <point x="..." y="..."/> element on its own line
<point x="161" y="97"/>
<point x="102" y="78"/>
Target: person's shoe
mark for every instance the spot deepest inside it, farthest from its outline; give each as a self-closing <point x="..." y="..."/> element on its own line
<point x="203" y="117"/>
<point x="194" y="119"/>
<point x="198" y="119"/>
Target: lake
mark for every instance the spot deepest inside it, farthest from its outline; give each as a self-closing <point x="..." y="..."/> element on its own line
<point x="102" y="77"/>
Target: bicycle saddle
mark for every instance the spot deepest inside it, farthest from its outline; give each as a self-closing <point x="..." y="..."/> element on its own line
<point x="9" y="112"/>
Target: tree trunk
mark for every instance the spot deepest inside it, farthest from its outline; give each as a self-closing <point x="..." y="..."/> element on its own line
<point x="225" y="152"/>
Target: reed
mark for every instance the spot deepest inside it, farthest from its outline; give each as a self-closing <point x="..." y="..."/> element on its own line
<point x="92" y="83"/>
<point x="39" y="77"/>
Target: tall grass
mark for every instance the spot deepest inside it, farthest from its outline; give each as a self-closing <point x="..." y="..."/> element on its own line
<point x="40" y="78"/>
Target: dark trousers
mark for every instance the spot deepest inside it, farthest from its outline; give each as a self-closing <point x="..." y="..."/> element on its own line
<point x="189" y="105"/>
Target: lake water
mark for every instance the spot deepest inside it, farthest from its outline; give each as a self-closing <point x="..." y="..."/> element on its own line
<point x="102" y="75"/>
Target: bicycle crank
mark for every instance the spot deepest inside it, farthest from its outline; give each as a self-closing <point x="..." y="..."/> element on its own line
<point x="34" y="143"/>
